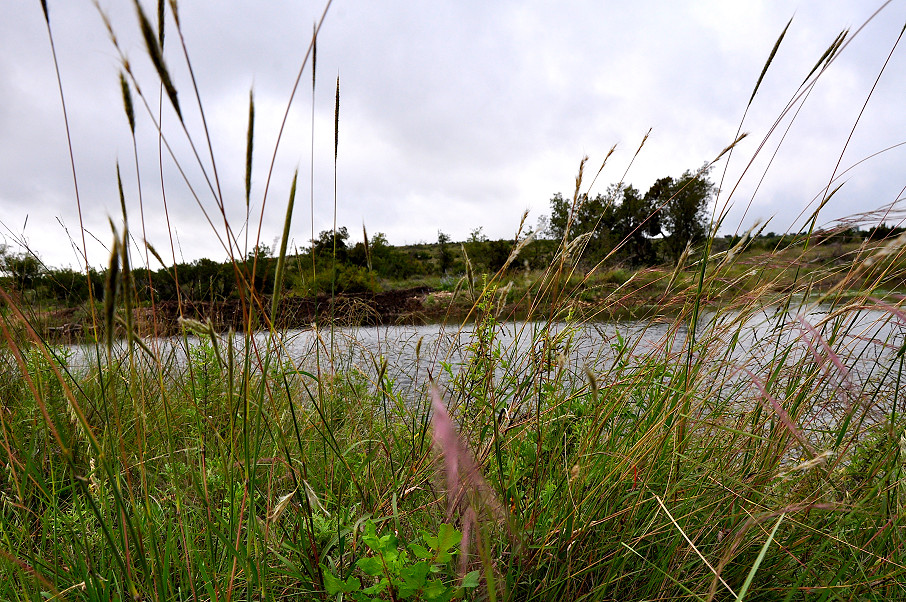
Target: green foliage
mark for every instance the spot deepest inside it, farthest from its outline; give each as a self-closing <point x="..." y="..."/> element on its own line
<point x="487" y="256"/>
<point x="635" y="221"/>
<point x="392" y="574"/>
<point x="23" y="268"/>
<point x="206" y="375"/>
<point x="622" y="224"/>
<point x="387" y="262"/>
<point x="444" y="255"/>
<point x="342" y="279"/>
<point x="618" y="224"/>
<point x="684" y="204"/>
<point x="330" y="243"/>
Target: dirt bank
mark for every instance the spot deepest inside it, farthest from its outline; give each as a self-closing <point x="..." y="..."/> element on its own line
<point x="404" y="306"/>
<point x="391" y="307"/>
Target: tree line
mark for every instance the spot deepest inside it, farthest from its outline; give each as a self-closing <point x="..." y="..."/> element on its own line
<point x="620" y="226"/>
<point x="624" y="225"/>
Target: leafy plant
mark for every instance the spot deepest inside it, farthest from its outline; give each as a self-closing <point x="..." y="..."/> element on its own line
<point x="394" y="574"/>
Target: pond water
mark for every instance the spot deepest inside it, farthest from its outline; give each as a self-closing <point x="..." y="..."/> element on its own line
<point x="858" y="343"/>
<point x="410" y="354"/>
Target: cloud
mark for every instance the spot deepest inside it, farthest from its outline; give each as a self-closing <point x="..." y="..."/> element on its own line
<point x="454" y="115"/>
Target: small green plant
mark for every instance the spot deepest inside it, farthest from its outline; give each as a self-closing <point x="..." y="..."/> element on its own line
<point x="395" y="575"/>
<point x="206" y="371"/>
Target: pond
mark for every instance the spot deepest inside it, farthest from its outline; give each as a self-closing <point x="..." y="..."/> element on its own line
<point x="857" y="343"/>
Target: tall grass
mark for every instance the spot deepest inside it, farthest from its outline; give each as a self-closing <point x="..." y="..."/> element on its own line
<point x="746" y="450"/>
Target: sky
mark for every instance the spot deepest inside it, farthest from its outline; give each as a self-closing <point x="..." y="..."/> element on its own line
<point x="454" y="115"/>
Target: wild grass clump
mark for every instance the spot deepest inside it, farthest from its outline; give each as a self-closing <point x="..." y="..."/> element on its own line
<point x="745" y="441"/>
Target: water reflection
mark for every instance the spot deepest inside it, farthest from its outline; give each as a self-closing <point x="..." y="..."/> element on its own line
<point x="851" y="347"/>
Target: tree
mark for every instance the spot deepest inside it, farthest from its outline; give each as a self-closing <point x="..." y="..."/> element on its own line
<point x="379" y="241"/>
<point x="328" y="240"/>
<point x="543" y="227"/>
<point x="495" y="254"/>
<point x="636" y="220"/>
<point x="556" y="225"/>
<point x="24" y="268"/>
<point x="386" y="261"/>
<point x="593" y="216"/>
<point x="620" y="224"/>
<point x="683" y="206"/>
<point x="477" y="235"/>
<point x="445" y="256"/>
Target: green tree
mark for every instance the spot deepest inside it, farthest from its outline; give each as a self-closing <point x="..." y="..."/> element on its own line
<point x="619" y="224"/>
<point x="387" y="261"/>
<point x="24" y="268"/>
<point x="328" y="240"/>
<point x="212" y="283"/>
<point x="261" y="258"/>
<point x="592" y="216"/>
<point x="635" y="222"/>
<point x="496" y="252"/>
<point x="445" y="255"/>
<point x="683" y="206"/>
<point x="559" y="219"/>
<point x="477" y="235"/>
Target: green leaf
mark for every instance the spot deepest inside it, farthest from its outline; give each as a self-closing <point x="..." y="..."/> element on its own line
<point x="389" y="543"/>
<point x="471" y="579"/>
<point x="390" y="554"/>
<point x="370" y="537"/>
<point x="377" y="588"/>
<point x="447" y="537"/>
<point x="383" y="544"/>
<point x="436" y="590"/>
<point x="761" y="555"/>
<point x="420" y="551"/>
<point x="415" y="576"/>
<point x="404" y="591"/>
<point x="371" y="565"/>
<point x="336" y="586"/>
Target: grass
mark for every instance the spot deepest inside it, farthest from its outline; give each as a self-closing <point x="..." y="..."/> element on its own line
<point x="704" y="460"/>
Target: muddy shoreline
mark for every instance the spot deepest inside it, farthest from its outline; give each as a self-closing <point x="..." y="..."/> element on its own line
<point x="404" y="306"/>
<point x="415" y="305"/>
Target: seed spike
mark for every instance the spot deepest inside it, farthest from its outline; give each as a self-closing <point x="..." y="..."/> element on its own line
<point x="110" y="287"/>
<point x="248" y="149"/>
<point x="127" y="102"/>
<point x="157" y="57"/>
<point x="770" y="60"/>
<point x="160" y="22"/>
<point x="829" y="53"/>
<point x="314" y="55"/>
<point x="336" y="122"/>
<point x="367" y="247"/>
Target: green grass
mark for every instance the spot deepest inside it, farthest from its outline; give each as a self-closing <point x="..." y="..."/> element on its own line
<point x="701" y="464"/>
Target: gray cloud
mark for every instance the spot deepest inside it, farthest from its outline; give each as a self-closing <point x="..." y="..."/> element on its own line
<point x="454" y="115"/>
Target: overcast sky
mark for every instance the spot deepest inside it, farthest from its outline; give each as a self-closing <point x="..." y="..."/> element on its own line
<point x="454" y="114"/>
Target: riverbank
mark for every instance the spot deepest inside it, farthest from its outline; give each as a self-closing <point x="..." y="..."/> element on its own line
<point x="414" y="305"/>
<point x="603" y="295"/>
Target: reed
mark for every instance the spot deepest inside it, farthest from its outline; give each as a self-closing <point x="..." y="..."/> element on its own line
<point x="748" y="449"/>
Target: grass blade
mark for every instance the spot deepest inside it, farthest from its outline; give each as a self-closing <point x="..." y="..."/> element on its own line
<point x="764" y="550"/>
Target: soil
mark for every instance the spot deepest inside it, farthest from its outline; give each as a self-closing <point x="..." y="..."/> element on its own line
<point x="405" y="306"/>
<point x="392" y="307"/>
